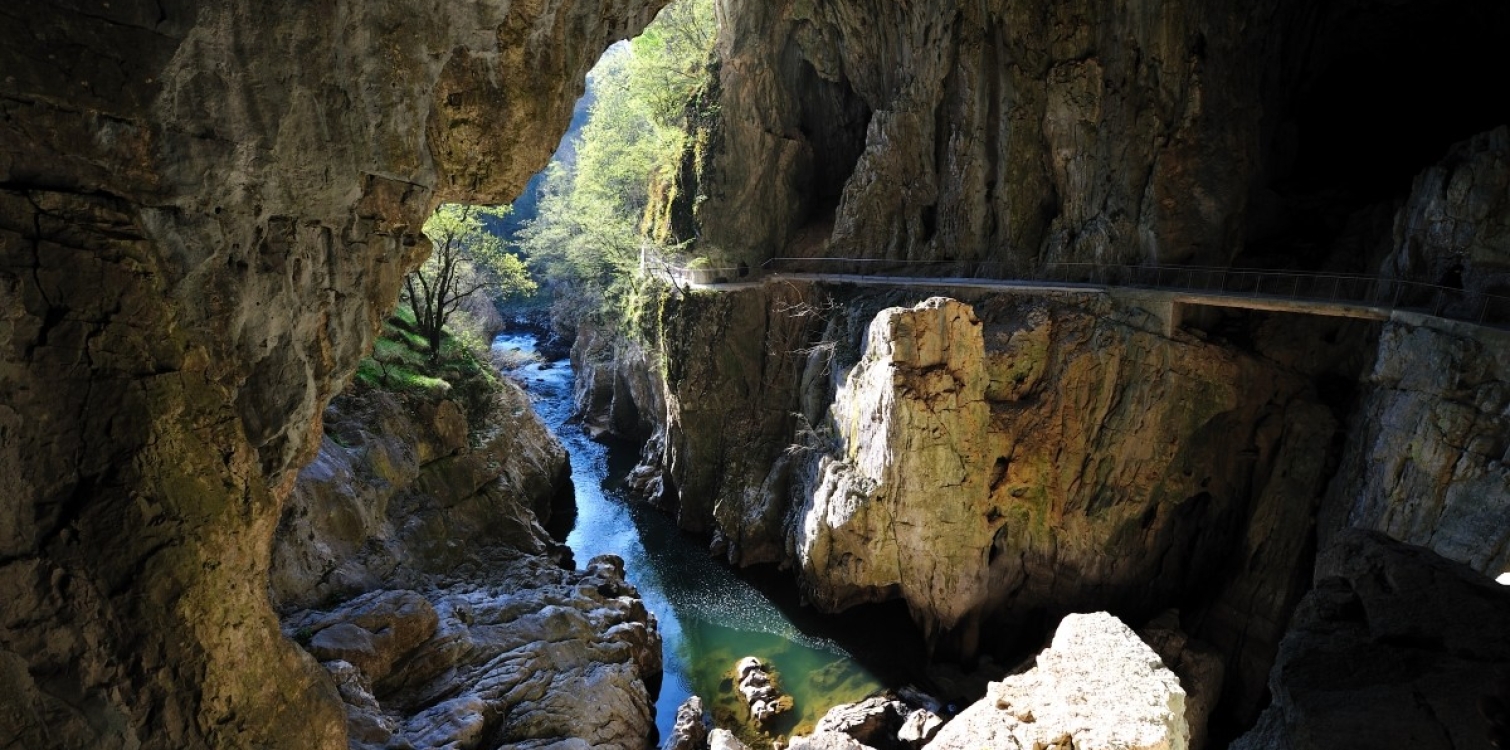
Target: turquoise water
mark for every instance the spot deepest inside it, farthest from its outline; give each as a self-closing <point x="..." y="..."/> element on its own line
<point x="709" y="617"/>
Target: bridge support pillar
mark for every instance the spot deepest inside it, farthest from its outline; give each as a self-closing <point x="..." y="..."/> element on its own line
<point x="1173" y="317"/>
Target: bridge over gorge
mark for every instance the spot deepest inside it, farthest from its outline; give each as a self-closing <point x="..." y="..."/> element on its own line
<point x="1176" y="288"/>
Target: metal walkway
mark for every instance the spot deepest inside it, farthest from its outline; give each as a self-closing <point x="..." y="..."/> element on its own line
<point x="1330" y="294"/>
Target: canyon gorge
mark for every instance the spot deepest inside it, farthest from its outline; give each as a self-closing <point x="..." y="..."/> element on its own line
<point x="207" y="209"/>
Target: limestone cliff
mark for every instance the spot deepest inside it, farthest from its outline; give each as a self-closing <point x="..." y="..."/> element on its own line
<point x="992" y="463"/>
<point x="1021" y="133"/>
<point x="1005" y="131"/>
<point x="397" y="493"/>
<point x="205" y="210"/>
<point x="1427" y="464"/>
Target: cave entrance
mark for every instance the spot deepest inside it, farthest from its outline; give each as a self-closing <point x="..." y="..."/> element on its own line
<point x="1385" y="91"/>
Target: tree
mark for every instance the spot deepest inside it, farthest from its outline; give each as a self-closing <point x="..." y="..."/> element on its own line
<point x="466" y="259"/>
<point x="594" y="212"/>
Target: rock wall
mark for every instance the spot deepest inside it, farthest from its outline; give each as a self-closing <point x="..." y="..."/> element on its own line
<point x="1003" y="461"/>
<point x="1021" y="133"/>
<point x="1394" y="645"/>
<point x="1427" y="463"/>
<point x="1008" y="131"/>
<point x="1455" y="228"/>
<point x="205" y="210"/>
<point x="397" y="493"/>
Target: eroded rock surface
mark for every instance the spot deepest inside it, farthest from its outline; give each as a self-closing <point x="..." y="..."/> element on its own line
<point x="1455" y="228"/>
<point x="458" y="627"/>
<point x="398" y="490"/>
<point x="1008" y="131"/>
<point x="1428" y="464"/>
<point x="533" y="656"/>
<point x="875" y="722"/>
<point x="1097" y="687"/>
<point x="205" y="210"/>
<point x="1395" y="646"/>
<point x="1016" y="455"/>
<point x="690" y="732"/>
<point x="894" y="510"/>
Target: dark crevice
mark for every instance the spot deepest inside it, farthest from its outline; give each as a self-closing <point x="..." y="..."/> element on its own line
<point x="1380" y="92"/>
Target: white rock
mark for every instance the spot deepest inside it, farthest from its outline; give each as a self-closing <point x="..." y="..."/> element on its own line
<point x="1097" y="686"/>
<point x="723" y="739"/>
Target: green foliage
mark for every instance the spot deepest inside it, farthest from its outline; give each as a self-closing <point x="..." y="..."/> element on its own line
<point x="402" y="363"/>
<point x="595" y="212"/>
<point x="467" y="258"/>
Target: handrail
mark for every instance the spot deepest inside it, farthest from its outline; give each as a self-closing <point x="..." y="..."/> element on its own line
<point x="1386" y="294"/>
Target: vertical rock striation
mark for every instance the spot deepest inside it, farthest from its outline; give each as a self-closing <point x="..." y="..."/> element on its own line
<point x="1427" y="464"/>
<point x="1007" y="131"/>
<point x="995" y="462"/>
<point x="205" y="209"/>
<point x="896" y="511"/>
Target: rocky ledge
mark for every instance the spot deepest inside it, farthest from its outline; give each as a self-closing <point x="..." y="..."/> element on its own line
<point x="412" y="565"/>
<point x="535" y="656"/>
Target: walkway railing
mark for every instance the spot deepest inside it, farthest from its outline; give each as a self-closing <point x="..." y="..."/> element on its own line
<point x="1325" y="288"/>
<point x="1336" y="288"/>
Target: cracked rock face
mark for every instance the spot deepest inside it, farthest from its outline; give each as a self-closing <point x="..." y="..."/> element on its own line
<point x="894" y="511"/>
<point x="205" y="210"/>
<point x="402" y="494"/>
<point x="1048" y="459"/>
<point x="1394" y="646"/>
<point x="1428" y="464"/>
<point x="1009" y="131"/>
<point x="535" y="657"/>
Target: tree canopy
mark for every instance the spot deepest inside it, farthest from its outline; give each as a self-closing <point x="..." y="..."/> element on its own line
<point x="467" y="258"/>
<point x="592" y="221"/>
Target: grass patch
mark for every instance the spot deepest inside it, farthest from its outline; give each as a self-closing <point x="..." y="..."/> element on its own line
<point x="401" y="363"/>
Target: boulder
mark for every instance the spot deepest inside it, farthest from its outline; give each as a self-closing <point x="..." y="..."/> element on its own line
<point x="723" y="739"/>
<point x="1097" y="687"/>
<point x="873" y="722"/>
<point x="1394" y="647"/>
<point x="371" y="632"/>
<point x="822" y="740"/>
<point x="919" y="728"/>
<point x="757" y="686"/>
<point x="691" y="729"/>
<point x="537" y="652"/>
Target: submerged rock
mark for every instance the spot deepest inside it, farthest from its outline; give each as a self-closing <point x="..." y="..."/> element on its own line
<point x="723" y="739"/>
<point x="1097" y="687"/>
<point x="1394" y="647"/>
<point x="757" y="686"/>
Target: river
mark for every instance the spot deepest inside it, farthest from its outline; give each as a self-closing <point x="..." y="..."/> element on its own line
<point x="709" y="617"/>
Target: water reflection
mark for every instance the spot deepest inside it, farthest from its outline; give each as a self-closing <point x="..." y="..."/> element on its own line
<point x="709" y="617"/>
